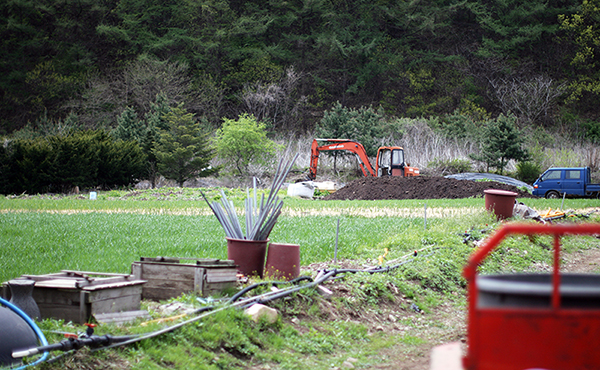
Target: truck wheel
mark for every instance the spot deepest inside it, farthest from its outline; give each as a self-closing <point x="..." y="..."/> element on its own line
<point x="552" y="194"/>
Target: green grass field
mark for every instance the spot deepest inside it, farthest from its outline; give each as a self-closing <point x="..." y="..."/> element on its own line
<point x="45" y="234"/>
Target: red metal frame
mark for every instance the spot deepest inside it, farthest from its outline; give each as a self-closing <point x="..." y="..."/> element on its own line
<point x="520" y="338"/>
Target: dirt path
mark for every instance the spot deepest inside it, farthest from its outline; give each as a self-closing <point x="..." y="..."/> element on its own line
<point x="447" y="322"/>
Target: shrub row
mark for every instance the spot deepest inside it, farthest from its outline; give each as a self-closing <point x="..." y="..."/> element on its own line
<point x="86" y="159"/>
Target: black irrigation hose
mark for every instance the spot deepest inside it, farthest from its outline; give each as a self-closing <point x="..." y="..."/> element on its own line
<point x="242" y="303"/>
<point x="75" y="344"/>
<point x="274" y="283"/>
<point x="106" y="341"/>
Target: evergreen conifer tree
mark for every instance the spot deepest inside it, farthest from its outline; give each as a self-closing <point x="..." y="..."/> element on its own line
<point x="182" y="151"/>
<point x="129" y="126"/>
<point x="502" y="142"/>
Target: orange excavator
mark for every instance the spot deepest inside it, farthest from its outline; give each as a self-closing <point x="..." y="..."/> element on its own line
<point x="389" y="162"/>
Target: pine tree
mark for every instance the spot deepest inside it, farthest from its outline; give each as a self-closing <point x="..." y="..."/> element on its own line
<point x="182" y="151"/>
<point x="155" y="121"/>
<point x="129" y="127"/>
<point x="502" y="142"/>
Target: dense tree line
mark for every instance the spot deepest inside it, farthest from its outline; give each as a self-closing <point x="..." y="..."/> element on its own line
<point x="286" y="62"/>
<point x="62" y="163"/>
<point x="104" y="93"/>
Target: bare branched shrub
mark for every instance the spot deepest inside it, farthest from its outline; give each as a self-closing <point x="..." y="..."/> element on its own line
<point x="529" y="99"/>
<point x="138" y="85"/>
<point x="422" y="145"/>
<point x="276" y="102"/>
<point x="593" y="157"/>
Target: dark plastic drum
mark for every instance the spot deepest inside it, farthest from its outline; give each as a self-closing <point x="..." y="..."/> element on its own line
<point x="535" y="291"/>
<point x="15" y="335"/>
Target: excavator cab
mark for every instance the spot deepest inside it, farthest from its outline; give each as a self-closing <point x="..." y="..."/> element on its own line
<point x="390" y="162"/>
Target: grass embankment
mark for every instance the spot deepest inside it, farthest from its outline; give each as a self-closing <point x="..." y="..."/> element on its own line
<point x="46" y="235"/>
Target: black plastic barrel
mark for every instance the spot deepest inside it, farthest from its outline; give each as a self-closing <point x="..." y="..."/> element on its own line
<point x="581" y="291"/>
<point x="15" y="335"/>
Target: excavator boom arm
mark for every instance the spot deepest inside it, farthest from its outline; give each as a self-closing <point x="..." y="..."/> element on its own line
<point x="339" y="144"/>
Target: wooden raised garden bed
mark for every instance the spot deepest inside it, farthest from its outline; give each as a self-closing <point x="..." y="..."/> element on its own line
<point x="169" y="277"/>
<point x="78" y="295"/>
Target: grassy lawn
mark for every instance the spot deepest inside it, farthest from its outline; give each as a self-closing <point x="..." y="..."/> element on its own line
<point x="45" y="234"/>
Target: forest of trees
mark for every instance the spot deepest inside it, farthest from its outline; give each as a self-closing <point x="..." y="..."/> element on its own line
<point x="286" y="62"/>
<point x="101" y="64"/>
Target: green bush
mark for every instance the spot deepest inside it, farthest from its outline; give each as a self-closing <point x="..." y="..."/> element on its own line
<point x="243" y="142"/>
<point x="592" y="131"/>
<point x="528" y="171"/>
<point x="450" y="166"/>
<point x="59" y="163"/>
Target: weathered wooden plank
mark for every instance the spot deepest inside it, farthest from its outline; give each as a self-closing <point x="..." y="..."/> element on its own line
<point x="57" y="275"/>
<point x="160" y="259"/>
<point x="58" y="284"/>
<point x="136" y="271"/>
<point x="118" y="318"/>
<point x="107" y="294"/>
<point x="170" y="284"/>
<point x="111" y="286"/>
<point x="84" y="307"/>
<point x="213" y="276"/>
<point x="91" y="273"/>
<point x="199" y="280"/>
<point x="56" y="296"/>
<point x="57" y="311"/>
<point x="169" y="271"/>
<point x="123" y="303"/>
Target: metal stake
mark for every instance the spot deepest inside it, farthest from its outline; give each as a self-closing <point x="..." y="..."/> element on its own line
<point x="337" y="233"/>
<point x="425" y="218"/>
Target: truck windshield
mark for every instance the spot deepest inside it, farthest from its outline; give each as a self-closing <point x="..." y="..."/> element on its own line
<point x="551" y="175"/>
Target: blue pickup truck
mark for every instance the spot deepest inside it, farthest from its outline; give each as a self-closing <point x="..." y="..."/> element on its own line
<point x="572" y="181"/>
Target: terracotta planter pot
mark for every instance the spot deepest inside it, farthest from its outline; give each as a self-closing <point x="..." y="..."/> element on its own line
<point x="249" y="255"/>
<point x="501" y="202"/>
<point x="283" y="261"/>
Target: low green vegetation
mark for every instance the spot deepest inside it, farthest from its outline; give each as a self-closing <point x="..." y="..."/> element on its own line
<point x="42" y="235"/>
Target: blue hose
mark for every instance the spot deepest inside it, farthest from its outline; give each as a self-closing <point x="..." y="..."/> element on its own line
<point x="35" y="328"/>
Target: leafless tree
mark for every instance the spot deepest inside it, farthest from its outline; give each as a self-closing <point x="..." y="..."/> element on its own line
<point x="138" y="85"/>
<point x="529" y="99"/>
<point x="277" y="102"/>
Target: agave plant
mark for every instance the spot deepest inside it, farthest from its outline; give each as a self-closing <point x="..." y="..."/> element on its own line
<point x="260" y="218"/>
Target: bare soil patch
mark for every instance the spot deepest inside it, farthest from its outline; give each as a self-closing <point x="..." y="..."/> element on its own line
<point x="420" y="187"/>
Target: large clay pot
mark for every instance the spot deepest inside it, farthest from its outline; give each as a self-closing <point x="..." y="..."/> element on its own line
<point x="283" y="261"/>
<point x="501" y="202"/>
<point x="249" y="255"/>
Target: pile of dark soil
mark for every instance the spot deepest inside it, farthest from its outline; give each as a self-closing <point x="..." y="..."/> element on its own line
<point x="420" y="187"/>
